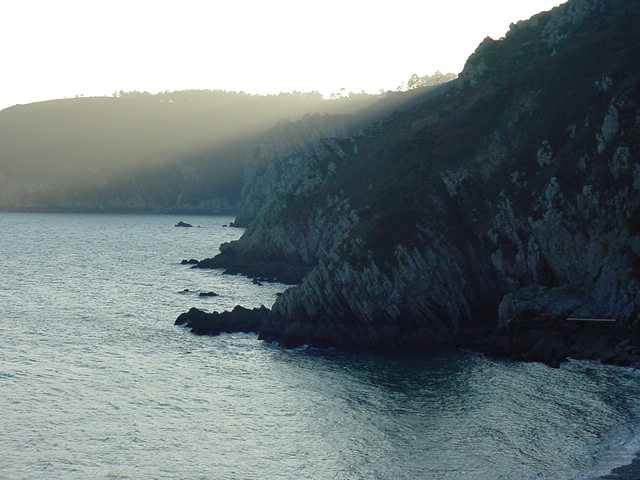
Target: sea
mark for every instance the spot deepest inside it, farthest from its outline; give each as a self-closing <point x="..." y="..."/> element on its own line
<point x="96" y="382"/>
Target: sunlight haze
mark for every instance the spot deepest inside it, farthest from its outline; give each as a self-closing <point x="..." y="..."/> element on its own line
<point x="68" y="48"/>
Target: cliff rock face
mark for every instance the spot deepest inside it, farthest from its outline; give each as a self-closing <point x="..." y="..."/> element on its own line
<point x="283" y="163"/>
<point x="288" y="233"/>
<point x="485" y="216"/>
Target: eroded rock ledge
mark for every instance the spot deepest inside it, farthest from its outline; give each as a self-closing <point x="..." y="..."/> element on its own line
<point x="533" y="337"/>
<point x="272" y="271"/>
<point x="554" y="341"/>
<point x="238" y="320"/>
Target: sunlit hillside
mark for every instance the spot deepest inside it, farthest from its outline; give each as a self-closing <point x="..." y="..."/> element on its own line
<point x="174" y="151"/>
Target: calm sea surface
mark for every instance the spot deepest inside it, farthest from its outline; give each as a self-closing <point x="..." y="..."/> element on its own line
<point x="96" y="382"/>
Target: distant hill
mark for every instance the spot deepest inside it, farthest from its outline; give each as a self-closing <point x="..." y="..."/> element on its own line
<point x="174" y="151"/>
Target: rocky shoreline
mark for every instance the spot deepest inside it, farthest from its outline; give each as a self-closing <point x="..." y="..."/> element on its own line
<point x="557" y="341"/>
<point x="239" y="320"/>
<point x="626" y="472"/>
<point x="551" y="342"/>
<point x="252" y="267"/>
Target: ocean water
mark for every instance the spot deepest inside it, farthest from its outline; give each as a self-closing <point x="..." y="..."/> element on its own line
<point x="97" y="382"/>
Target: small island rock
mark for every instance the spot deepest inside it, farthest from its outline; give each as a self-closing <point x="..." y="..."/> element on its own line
<point x="191" y="261"/>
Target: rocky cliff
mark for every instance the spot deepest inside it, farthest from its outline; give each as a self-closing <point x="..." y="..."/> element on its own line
<point x="485" y="217"/>
<point x="288" y="234"/>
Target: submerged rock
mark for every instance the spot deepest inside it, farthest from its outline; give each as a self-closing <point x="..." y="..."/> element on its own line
<point x="208" y="294"/>
<point x="191" y="261"/>
<point x="183" y="224"/>
<point x="240" y="319"/>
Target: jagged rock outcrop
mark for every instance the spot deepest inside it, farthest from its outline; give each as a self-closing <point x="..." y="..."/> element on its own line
<point x="240" y="319"/>
<point x="295" y="214"/>
<point x="483" y="217"/>
<point x="283" y="162"/>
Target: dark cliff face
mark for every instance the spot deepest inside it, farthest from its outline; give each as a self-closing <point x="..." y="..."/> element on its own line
<point x="506" y="204"/>
<point x="289" y="202"/>
<point x="287" y="236"/>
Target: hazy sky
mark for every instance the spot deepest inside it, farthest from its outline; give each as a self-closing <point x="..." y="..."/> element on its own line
<point x="52" y="49"/>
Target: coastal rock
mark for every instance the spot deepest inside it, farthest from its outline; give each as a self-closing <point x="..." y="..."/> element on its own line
<point x="240" y="319"/>
<point x="295" y="162"/>
<point x="191" y="261"/>
<point x="269" y="270"/>
<point x="483" y="218"/>
<point x="183" y="224"/>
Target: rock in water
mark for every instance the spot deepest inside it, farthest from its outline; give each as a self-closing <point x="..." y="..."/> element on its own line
<point x="240" y="319"/>
<point x="183" y="224"/>
<point x="191" y="261"/>
<point x="208" y="294"/>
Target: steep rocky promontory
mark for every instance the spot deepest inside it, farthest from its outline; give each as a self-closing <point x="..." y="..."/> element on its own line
<point x="484" y="217"/>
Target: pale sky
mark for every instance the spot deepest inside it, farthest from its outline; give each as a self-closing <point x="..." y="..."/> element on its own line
<point x="55" y="49"/>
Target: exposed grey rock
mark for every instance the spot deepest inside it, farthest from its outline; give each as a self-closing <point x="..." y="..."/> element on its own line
<point x="280" y="164"/>
<point x="609" y="128"/>
<point x="283" y="241"/>
<point x="604" y="84"/>
<point x="544" y="155"/>
<point x="566" y="16"/>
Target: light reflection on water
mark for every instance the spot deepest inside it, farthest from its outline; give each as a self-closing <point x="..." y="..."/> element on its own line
<point x="96" y="382"/>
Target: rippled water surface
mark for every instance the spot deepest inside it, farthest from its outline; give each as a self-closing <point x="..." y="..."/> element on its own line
<point x="96" y="382"/>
